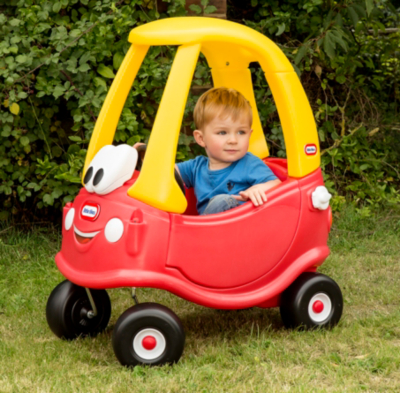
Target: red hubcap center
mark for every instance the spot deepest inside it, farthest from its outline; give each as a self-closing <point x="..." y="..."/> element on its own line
<point x="318" y="307"/>
<point x="149" y="343"/>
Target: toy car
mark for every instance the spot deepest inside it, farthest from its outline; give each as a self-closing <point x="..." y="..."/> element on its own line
<point x="130" y="228"/>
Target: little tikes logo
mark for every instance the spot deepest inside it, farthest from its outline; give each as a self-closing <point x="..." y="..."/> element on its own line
<point x="310" y="149"/>
<point x="90" y="211"/>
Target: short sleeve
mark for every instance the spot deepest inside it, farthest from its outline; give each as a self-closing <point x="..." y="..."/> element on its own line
<point x="186" y="169"/>
<point x="258" y="172"/>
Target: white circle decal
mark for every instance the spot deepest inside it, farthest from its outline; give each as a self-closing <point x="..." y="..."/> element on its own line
<point x="114" y="230"/>
<point x="69" y="219"/>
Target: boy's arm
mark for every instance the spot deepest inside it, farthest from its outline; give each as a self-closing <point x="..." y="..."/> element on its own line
<point x="256" y="193"/>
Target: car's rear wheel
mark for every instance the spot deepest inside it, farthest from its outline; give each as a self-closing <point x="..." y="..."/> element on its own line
<point x="148" y="333"/>
<point x="313" y="300"/>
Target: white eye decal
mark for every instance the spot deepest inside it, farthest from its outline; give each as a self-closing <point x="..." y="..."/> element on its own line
<point x="110" y="168"/>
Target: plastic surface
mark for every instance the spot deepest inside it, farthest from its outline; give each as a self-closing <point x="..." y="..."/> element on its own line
<point x="137" y="236"/>
<point x="204" y="259"/>
<point x="148" y="333"/>
<point x="321" y="198"/>
<point x="313" y="300"/>
<point x="111" y="167"/>
<point x="67" y="308"/>
<point x="229" y="49"/>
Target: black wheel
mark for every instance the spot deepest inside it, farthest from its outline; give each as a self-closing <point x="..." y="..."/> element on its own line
<point x="148" y="333"/>
<point x="313" y="300"/>
<point x="68" y="311"/>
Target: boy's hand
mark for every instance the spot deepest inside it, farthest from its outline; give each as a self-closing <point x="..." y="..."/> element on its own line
<point x="255" y="193"/>
<point x="137" y="144"/>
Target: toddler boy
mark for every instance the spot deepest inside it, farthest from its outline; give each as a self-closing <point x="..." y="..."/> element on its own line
<point x="229" y="175"/>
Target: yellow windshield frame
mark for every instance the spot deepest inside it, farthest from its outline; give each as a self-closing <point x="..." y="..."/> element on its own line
<point x="229" y="49"/>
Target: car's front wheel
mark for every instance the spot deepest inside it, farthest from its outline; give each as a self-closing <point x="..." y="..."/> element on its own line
<point x="148" y="333"/>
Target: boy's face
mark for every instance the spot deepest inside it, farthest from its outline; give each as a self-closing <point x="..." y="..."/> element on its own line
<point x="225" y="140"/>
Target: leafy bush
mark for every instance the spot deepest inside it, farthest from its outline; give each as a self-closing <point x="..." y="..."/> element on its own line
<point x="58" y="59"/>
<point x="348" y="62"/>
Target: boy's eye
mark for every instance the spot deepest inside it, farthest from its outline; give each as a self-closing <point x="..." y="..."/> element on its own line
<point x="221" y="132"/>
<point x="242" y="132"/>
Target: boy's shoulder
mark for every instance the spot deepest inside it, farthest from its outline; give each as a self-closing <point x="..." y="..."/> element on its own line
<point x="194" y="162"/>
<point x="250" y="158"/>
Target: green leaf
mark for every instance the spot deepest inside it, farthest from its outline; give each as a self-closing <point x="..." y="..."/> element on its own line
<point x="58" y="91"/>
<point x="353" y="15"/>
<point x="22" y="95"/>
<point x="360" y="10"/>
<point x="75" y="33"/>
<point x="100" y="82"/>
<point x="210" y="9"/>
<point x="21" y="59"/>
<point x="281" y="29"/>
<point x="300" y="53"/>
<point x="15" y="40"/>
<point x="329" y="45"/>
<point x="341" y="79"/>
<point x="56" y="151"/>
<point x="369" y="4"/>
<point x="84" y="67"/>
<point x="75" y="138"/>
<point x="204" y="3"/>
<point x="57" y="7"/>
<point x="196" y="8"/>
<point x="105" y="71"/>
<point x="48" y="199"/>
<point x="24" y="141"/>
<point x="117" y="60"/>
<point x="6" y="131"/>
<point x="328" y="19"/>
<point x="337" y="36"/>
<point x="14" y="22"/>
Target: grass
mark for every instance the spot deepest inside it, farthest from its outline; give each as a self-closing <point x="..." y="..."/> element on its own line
<point x="226" y="351"/>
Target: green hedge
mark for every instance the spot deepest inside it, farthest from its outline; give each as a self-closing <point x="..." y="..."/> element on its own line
<point x="58" y="59"/>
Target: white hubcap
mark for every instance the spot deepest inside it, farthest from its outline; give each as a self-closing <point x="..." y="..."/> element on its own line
<point x="320" y="307"/>
<point x="149" y="344"/>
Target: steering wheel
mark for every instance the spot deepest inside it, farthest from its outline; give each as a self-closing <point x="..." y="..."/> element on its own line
<point x="141" y="149"/>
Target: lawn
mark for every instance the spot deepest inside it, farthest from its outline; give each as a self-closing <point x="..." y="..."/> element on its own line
<point x="226" y="351"/>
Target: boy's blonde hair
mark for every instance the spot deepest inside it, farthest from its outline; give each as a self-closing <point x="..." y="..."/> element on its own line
<point x="221" y="102"/>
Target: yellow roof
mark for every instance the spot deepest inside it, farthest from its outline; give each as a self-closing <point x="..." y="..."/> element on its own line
<point x="229" y="48"/>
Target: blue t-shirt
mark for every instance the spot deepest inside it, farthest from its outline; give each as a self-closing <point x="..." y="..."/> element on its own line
<point x="239" y="176"/>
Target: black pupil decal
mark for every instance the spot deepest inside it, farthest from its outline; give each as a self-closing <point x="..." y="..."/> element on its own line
<point x="230" y="185"/>
<point x="97" y="178"/>
<point x="88" y="175"/>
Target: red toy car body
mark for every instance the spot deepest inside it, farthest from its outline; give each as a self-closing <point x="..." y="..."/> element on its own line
<point x="130" y="229"/>
<point x="258" y="253"/>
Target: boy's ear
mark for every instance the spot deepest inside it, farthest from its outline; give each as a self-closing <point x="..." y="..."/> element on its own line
<point x="198" y="137"/>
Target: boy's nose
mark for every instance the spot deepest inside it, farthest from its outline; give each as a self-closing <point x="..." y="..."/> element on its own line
<point x="232" y="139"/>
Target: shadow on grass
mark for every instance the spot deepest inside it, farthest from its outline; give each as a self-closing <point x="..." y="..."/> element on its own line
<point x="207" y="323"/>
